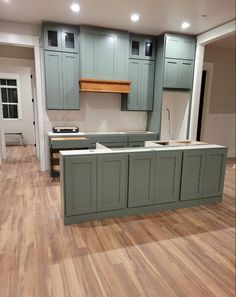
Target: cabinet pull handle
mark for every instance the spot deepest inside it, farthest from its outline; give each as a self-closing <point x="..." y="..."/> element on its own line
<point x="186" y="63"/>
<point x="172" y="62"/>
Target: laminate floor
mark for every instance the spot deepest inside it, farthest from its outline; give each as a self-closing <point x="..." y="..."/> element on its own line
<point x="186" y="252"/>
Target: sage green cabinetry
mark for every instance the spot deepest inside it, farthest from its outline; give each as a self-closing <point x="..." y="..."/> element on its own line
<point x="141" y="179"/>
<point x="112" y="175"/>
<point x="178" y="74"/>
<point x="104" y="53"/>
<point x="141" y="75"/>
<point x="80" y="185"/>
<point x="175" y="57"/>
<point x="62" y="80"/>
<point x="167" y="176"/>
<point x="203" y="173"/>
<point x="61" y="38"/>
<point x="95" y="183"/>
<point x="142" y="47"/>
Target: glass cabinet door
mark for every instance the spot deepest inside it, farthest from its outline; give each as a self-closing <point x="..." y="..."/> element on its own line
<point x="70" y="40"/>
<point x="149" y="49"/>
<point x="135" y="48"/>
<point x="52" y="38"/>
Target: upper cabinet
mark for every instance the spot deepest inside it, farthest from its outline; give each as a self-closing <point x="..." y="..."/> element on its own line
<point x="142" y="47"/>
<point x="61" y="66"/>
<point x="61" y="38"/>
<point x="104" y="53"/>
<point x="180" y="47"/>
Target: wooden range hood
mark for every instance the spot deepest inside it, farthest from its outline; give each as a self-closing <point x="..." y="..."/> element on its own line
<point x="105" y="86"/>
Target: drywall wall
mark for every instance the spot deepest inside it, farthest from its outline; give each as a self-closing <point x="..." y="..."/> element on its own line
<point x="219" y="115"/>
<point x="177" y="103"/>
<point x="99" y="112"/>
<point x="9" y="51"/>
<point x="25" y="124"/>
<point x="20" y="28"/>
<point x="223" y="84"/>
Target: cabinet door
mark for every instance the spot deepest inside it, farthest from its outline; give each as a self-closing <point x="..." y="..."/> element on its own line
<point x="180" y="47"/>
<point x="52" y="37"/>
<point x="105" y="50"/>
<point x="70" y="64"/>
<point x="171" y="73"/>
<point x="87" y="51"/>
<point x="185" y="76"/>
<point x="149" y="49"/>
<point x="53" y="77"/>
<point x="167" y="178"/>
<point x="193" y="174"/>
<point x="135" y="48"/>
<point x="80" y="181"/>
<point x="141" y="179"/>
<point x="112" y="181"/>
<point x="147" y="85"/>
<point x="214" y="172"/>
<point x="135" y="68"/>
<point x="121" y="59"/>
<point x="70" y="41"/>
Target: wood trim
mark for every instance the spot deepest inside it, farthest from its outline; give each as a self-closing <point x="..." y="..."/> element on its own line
<point x="105" y="86"/>
<point x="67" y="138"/>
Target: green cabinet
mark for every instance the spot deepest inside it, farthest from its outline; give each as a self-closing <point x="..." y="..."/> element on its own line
<point x="214" y="172"/>
<point x="61" y="38"/>
<point x="180" y="47"/>
<point x="141" y="75"/>
<point x="167" y="176"/>
<point x="104" y="53"/>
<point x="141" y="179"/>
<point x="80" y="185"/>
<point x="112" y="175"/>
<point x="203" y="173"/>
<point x="178" y="74"/>
<point x="142" y="47"/>
<point x="62" y="80"/>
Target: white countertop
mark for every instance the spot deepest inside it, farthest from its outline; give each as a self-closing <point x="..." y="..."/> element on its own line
<point x="155" y="148"/>
<point x="52" y="134"/>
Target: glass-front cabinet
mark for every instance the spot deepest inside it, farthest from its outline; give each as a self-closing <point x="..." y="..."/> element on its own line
<point x="142" y="47"/>
<point x="59" y="38"/>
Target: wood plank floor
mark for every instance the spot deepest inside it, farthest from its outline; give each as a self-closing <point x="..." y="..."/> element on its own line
<point x="187" y="252"/>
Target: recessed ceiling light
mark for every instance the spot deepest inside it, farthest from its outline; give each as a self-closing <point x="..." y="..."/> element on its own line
<point x="75" y="7"/>
<point x="185" y="25"/>
<point x="135" y="17"/>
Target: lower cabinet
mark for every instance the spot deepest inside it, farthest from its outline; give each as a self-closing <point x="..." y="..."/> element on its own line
<point x="203" y="173"/>
<point x="112" y="177"/>
<point x="80" y="185"/>
<point x="95" y="183"/>
<point x="141" y="179"/>
<point x="167" y="177"/>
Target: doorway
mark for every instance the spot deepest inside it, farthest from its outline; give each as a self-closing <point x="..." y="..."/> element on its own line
<point x="16" y="88"/>
<point x="201" y="104"/>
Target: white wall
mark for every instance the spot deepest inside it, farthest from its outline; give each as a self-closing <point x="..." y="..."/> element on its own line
<point x="219" y="120"/>
<point x="177" y="103"/>
<point x="24" y="125"/>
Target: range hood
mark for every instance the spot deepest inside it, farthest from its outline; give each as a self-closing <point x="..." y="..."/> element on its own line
<point x="105" y="86"/>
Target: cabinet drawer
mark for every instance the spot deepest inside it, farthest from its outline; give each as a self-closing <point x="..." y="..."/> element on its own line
<point x="69" y="143"/>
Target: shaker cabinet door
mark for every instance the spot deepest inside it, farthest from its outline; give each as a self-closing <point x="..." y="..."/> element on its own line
<point x="52" y="37"/>
<point x="70" y="42"/>
<point x="185" y="74"/>
<point x="171" y="73"/>
<point x="168" y="175"/>
<point x="193" y="174"/>
<point x="70" y="64"/>
<point x="141" y="179"/>
<point x="147" y="85"/>
<point x="53" y="77"/>
<point x="135" y="68"/>
<point x="112" y="182"/>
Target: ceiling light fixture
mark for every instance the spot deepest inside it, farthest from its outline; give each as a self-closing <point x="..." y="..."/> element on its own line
<point x="185" y="25"/>
<point x="75" y="7"/>
<point x="134" y="17"/>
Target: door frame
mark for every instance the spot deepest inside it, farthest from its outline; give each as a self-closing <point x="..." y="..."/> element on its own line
<point x="202" y="40"/>
<point x="32" y="42"/>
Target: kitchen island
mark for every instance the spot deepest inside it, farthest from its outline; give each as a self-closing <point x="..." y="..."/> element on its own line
<point x="107" y="182"/>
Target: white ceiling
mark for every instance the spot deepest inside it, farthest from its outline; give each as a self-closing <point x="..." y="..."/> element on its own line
<point x="157" y="16"/>
<point x="227" y="42"/>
